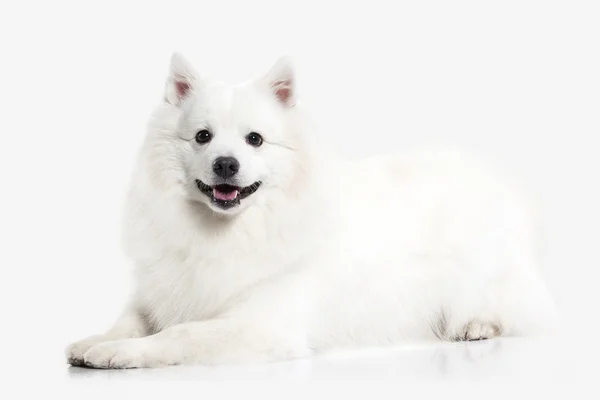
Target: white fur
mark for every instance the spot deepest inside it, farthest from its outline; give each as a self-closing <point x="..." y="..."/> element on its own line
<point x="327" y="254"/>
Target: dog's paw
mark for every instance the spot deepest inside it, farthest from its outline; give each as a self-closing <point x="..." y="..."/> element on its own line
<point x="127" y="353"/>
<point x="476" y="330"/>
<point x="75" y="351"/>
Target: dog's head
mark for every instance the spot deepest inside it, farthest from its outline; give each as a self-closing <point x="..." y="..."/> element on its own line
<point x="233" y="143"/>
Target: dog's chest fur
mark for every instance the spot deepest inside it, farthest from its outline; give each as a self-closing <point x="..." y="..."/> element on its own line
<point x="191" y="272"/>
<point x="171" y="292"/>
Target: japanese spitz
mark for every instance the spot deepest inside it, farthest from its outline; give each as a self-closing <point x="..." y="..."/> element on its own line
<point x="252" y="242"/>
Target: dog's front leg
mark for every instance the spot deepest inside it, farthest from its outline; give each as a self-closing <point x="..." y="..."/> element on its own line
<point x="129" y="325"/>
<point x="269" y="324"/>
<point x="205" y="342"/>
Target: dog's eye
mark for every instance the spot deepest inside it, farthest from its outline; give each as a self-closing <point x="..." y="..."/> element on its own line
<point x="254" y="139"/>
<point x="203" y="136"/>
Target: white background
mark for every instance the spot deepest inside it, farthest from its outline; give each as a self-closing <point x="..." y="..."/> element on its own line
<point x="517" y="82"/>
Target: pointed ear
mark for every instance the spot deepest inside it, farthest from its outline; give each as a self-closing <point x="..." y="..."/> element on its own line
<point x="282" y="81"/>
<point x="181" y="81"/>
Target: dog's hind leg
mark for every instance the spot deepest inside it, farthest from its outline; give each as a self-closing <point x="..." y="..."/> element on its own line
<point x="515" y="304"/>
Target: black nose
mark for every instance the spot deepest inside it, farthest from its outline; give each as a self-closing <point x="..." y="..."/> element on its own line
<point x="226" y="167"/>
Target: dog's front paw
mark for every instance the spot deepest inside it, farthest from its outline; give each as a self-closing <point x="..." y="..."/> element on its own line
<point x="127" y="353"/>
<point x="75" y="351"/>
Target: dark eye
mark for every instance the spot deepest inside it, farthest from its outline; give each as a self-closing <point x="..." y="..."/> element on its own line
<point x="203" y="136"/>
<point x="254" y="139"/>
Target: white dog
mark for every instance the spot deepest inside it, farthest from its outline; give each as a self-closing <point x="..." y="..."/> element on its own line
<point x="253" y="243"/>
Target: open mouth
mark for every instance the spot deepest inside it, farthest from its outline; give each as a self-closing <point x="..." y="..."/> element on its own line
<point x="226" y="196"/>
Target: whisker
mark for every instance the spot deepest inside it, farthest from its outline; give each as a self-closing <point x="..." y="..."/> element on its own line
<point x="285" y="146"/>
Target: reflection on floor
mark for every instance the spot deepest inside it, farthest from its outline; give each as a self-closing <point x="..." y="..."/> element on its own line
<point x="506" y="359"/>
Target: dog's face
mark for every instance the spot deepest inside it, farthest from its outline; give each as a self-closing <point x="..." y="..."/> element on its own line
<point x="236" y="139"/>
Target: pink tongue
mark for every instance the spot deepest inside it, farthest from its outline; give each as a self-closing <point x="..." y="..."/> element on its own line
<point x="225" y="195"/>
